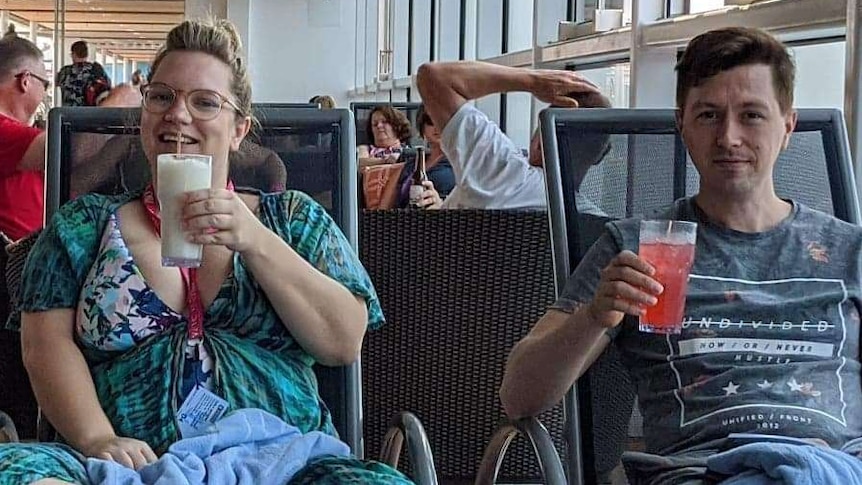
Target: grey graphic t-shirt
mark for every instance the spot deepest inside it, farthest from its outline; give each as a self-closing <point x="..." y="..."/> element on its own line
<point x="770" y="339"/>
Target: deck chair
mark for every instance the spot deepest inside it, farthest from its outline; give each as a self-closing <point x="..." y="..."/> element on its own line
<point x="646" y="169"/>
<point x="459" y="288"/>
<point x="340" y="387"/>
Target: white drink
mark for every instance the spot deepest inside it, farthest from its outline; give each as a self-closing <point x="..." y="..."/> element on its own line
<point x="178" y="174"/>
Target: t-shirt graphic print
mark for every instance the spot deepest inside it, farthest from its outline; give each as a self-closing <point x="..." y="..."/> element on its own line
<point x="750" y="351"/>
<point x="770" y="338"/>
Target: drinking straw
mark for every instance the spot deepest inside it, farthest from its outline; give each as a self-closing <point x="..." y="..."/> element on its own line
<point x="179" y="142"/>
<point x="669" y="226"/>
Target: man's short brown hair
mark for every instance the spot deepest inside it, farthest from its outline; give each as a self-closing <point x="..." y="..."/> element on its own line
<point x="723" y="49"/>
<point x="80" y="49"/>
<point x="398" y="120"/>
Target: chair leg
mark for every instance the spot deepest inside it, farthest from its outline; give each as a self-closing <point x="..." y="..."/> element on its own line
<point x="8" y="433"/>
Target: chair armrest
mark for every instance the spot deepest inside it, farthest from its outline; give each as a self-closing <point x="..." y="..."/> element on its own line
<point x="45" y="432"/>
<point x="8" y="433"/>
<point x="407" y="425"/>
<point x="543" y="447"/>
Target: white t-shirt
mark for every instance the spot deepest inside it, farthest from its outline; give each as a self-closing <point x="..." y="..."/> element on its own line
<point x="490" y="171"/>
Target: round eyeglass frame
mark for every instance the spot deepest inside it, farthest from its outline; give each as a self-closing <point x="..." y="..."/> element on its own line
<point x="192" y="111"/>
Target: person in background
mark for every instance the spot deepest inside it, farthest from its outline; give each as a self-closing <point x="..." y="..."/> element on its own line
<point x="122" y="95"/>
<point x="23" y="84"/>
<point x="138" y="79"/>
<point x="441" y="178"/>
<point x="491" y="172"/>
<point x="770" y="339"/>
<point x="323" y="101"/>
<point x="82" y="83"/>
<point x="110" y="349"/>
<point x="390" y="130"/>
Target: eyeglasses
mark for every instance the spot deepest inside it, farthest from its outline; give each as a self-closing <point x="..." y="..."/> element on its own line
<point x="203" y="104"/>
<point x="46" y="83"/>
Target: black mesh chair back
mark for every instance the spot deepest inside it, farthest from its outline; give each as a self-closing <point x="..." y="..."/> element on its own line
<point x="459" y="289"/>
<point x="17" y="398"/>
<point x="328" y="167"/>
<point x="362" y="113"/>
<point x="645" y="170"/>
<point x="297" y="148"/>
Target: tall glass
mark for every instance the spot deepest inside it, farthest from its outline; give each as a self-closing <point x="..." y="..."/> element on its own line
<point x="177" y="174"/>
<point x="669" y="247"/>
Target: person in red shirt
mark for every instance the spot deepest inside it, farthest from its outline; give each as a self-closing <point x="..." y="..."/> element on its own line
<point x="23" y="83"/>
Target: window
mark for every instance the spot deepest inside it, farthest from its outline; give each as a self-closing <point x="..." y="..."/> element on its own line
<point x="613" y="81"/>
<point x="819" y="75"/>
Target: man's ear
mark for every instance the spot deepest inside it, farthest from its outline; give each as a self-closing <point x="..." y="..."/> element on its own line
<point x="789" y="126"/>
<point x="241" y="129"/>
<point x="678" y="114"/>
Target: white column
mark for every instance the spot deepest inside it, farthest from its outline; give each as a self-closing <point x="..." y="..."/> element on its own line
<point x="239" y="12"/>
<point x="853" y="84"/>
<point x="4" y="21"/>
<point x="653" y="80"/>
<point x="122" y="68"/>
<point x="359" y="47"/>
<point x="470" y="26"/>
<point x="114" y="69"/>
<point x="371" y="45"/>
<point x="34" y="28"/>
<point x="400" y="36"/>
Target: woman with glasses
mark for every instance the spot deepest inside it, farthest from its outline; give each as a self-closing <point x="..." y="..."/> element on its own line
<point x="110" y="348"/>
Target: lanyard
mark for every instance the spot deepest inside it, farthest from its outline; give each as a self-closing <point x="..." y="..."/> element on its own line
<point x="190" y="275"/>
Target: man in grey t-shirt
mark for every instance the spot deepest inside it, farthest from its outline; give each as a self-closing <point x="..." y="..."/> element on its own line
<point x="770" y="339"/>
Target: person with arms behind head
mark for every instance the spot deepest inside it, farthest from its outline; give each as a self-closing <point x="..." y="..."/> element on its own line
<point x="83" y="83"/>
<point x="759" y="260"/>
<point x="441" y="178"/>
<point x="491" y="172"/>
<point x="23" y="84"/>
<point x="109" y="350"/>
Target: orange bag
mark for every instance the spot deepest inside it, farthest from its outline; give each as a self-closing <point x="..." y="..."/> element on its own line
<point x="380" y="185"/>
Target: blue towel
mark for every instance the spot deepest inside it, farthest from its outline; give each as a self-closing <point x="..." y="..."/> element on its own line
<point x="786" y="464"/>
<point x="249" y="446"/>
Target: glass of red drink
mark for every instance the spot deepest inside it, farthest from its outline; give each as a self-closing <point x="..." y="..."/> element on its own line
<point x="669" y="247"/>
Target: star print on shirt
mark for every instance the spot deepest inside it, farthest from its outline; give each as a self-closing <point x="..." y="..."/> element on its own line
<point x="764" y="385"/>
<point x="818" y="252"/>
<point x="794" y="386"/>
<point x="730" y="388"/>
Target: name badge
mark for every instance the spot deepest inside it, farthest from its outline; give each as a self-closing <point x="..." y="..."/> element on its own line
<point x="199" y="412"/>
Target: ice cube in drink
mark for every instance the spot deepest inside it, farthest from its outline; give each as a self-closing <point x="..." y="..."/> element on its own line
<point x="672" y="263"/>
<point x="176" y="175"/>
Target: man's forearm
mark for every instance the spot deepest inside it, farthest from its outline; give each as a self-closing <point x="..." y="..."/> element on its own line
<point x="473" y="80"/>
<point x="545" y="364"/>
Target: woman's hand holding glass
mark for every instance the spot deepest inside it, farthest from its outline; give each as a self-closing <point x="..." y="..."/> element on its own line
<point x="220" y="217"/>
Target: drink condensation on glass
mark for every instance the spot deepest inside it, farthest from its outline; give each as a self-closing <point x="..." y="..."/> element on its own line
<point x="176" y="175"/>
<point x="669" y="247"/>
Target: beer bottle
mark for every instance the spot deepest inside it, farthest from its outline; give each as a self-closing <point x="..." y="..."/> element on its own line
<point x="419" y="176"/>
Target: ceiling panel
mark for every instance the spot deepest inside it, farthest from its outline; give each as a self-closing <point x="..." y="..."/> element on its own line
<point x="133" y="28"/>
<point x="142" y="6"/>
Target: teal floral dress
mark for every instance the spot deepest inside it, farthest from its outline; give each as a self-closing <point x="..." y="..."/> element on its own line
<point x="136" y="347"/>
